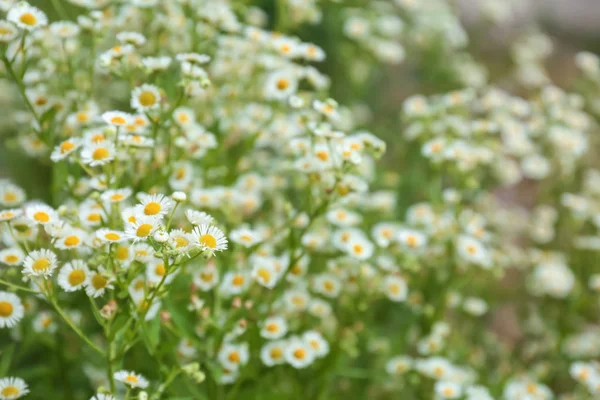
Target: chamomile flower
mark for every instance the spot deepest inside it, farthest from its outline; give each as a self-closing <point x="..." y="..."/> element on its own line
<point x="12" y="388"/>
<point x="299" y="354"/>
<point x="198" y="217"/>
<point x="232" y="356"/>
<point x="155" y="205"/>
<point x="41" y="214"/>
<point x="411" y="239"/>
<point x="473" y="251"/>
<point x="317" y="342"/>
<point x="71" y="238"/>
<point x="209" y="238"/>
<point x="116" y="195"/>
<point x="180" y="239"/>
<point x="399" y="365"/>
<point x="280" y="85"/>
<point x="11" y="310"/>
<point x="64" y="149"/>
<point x="7" y="215"/>
<point x="360" y="248"/>
<point x="245" y="237"/>
<point x="145" y="98"/>
<point x="207" y="278"/>
<point x="12" y="256"/>
<point x="117" y="118"/>
<point x="40" y="263"/>
<point x="327" y="285"/>
<point x="110" y="236"/>
<point x="26" y="16"/>
<point x="73" y="275"/>
<point x="156" y="272"/>
<point x="8" y="31"/>
<point x="234" y="283"/>
<point x="272" y="353"/>
<point x="448" y="390"/>
<point x="142" y="228"/>
<point x="99" y="153"/>
<point x="265" y="274"/>
<point x="11" y="195"/>
<point x="274" y="328"/>
<point x="131" y="379"/>
<point x="395" y="288"/>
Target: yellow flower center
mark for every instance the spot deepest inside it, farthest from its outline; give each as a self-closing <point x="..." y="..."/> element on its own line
<point x="234" y="357"/>
<point x="282" y="84"/>
<point x="265" y="275"/>
<point x="10" y="197"/>
<point x="329" y="286"/>
<point x="152" y="208"/>
<point x="6" y="309"/>
<point x="41" y="216"/>
<point x="160" y="270"/>
<point x="300" y="354"/>
<point x="147" y="99"/>
<point x="238" y="280"/>
<point x="82" y="117"/>
<point x="143" y="230"/>
<point x="10" y="391"/>
<point x="66" y="147"/>
<point x="276" y="353"/>
<point x="11" y="259"/>
<point x="100" y="154"/>
<point x="272" y="327"/>
<point x="71" y="241"/>
<point x="122" y="253"/>
<point x="117" y="197"/>
<point x="94" y="217"/>
<point x="181" y="242"/>
<point x="99" y="281"/>
<point x="322" y="155"/>
<point x="112" y="236"/>
<point x="76" y="277"/>
<point x="131" y="379"/>
<point x="28" y="19"/>
<point x="98" y="138"/>
<point x="41" y="264"/>
<point x="394" y="288"/>
<point x="4" y="31"/>
<point x="208" y="241"/>
<point x="118" y="120"/>
<point x="7" y="214"/>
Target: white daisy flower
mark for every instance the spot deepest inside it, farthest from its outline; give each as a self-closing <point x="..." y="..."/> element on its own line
<point x="272" y="353"/>
<point x="70" y="238"/>
<point x="154" y="205"/>
<point x="7" y="215"/>
<point x="12" y="256"/>
<point x="98" y="283"/>
<point x="411" y="239"/>
<point x="234" y="283"/>
<point x="40" y="263"/>
<point x="142" y="228"/>
<point x="11" y="310"/>
<point x="265" y="274"/>
<point x="399" y="365"/>
<point x="11" y="195"/>
<point x="448" y="390"/>
<point x="232" y="356"/>
<point x="98" y="153"/>
<point x="274" y="328"/>
<point x="210" y="238"/>
<point x="101" y="396"/>
<point x="156" y="271"/>
<point x="116" y="195"/>
<point x="207" y="278"/>
<point x="117" y="118"/>
<point x="64" y="149"/>
<point x="8" y="31"/>
<point x="12" y="388"/>
<point x="299" y="354"/>
<point x="110" y="236"/>
<point x="245" y="237"/>
<point x="145" y="98"/>
<point x="181" y="239"/>
<point x="44" y="322"/>
<point x="41" y="214"/>
<point x="280" y="85"/>
<point x="327" y="285"/>
<point x="317" y="342"/>
<point x="360" y="248"/>
<point x="198" y="217"/>
<point x="26" y="16"/>
<point x="73" y="275"/>
<point x="395" y="288"/>
<point x="131" y="379"/>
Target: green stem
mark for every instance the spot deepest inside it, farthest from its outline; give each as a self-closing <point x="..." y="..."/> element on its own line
<point x="17" y="287"/>
<point x="73" y="326"/>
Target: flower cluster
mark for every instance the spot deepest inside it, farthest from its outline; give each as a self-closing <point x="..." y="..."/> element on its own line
<point x="210" y="222"/>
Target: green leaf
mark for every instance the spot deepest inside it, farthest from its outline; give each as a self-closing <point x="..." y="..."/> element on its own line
<point x="5" y="359"/>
